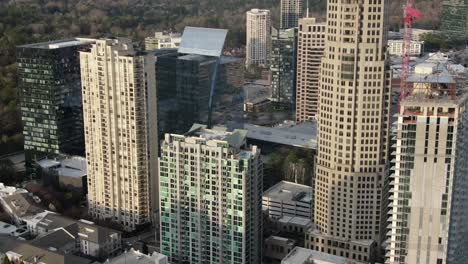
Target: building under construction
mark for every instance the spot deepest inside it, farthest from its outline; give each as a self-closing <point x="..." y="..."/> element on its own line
<point x="455" y="19"/>
<point x="428" y="201"/>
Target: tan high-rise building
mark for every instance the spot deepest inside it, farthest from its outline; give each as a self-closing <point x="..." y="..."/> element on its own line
<point x="310" y="49"/>
<point x="119" y="105"/>
<point x="353" y="130"/>
<point x="258" y="37"/>
<point x="428" y="201"/>
<point x="291" y="12"/>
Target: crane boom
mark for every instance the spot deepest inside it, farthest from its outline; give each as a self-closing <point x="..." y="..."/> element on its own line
<point x="410" y="14"/>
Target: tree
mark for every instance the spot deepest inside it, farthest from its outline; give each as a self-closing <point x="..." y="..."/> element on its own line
<point x="7" y="172"/>
<point x="434" y="42"/>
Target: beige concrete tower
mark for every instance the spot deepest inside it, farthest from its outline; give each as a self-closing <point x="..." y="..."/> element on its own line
<point x="428" y="201"/>
<point x="310" y="49"/>
<point x="291" y="12"/>
<point x="353" y="130"/>
<point x="119" y="105"/>
<point x="258" y="37"/>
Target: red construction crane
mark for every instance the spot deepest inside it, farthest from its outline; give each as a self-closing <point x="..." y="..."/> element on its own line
<point x="410" y="14"/>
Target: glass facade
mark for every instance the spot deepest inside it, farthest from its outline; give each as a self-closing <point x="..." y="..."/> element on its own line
<point x="283" y="68"/>
<point x="210" y="197"/>
<point x="51" y="104"/>
<point x="184" y="89"/>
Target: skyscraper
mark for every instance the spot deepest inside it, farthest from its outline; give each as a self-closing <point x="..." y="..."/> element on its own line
<point x="310" y="49"/>
<point x="454" y="22"/>
<point x="428" y="201"/>
<point x="291" y="12"/>
<point x="50" y="92"/>
<point x="192" y="79"/>
<point x="119" y="105"/>
<point x="258" y="37"/>
<point x="353" y="130"/>
<point x="211" y="197"/>
<point x="283" y="68"/>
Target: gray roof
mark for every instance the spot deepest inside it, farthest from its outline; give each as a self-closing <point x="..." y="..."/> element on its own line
<point x="53" y="221"/>
<point x="22" y="205"/>
<point x="57" y="239"/>
<point x="303" y="135"/>
<point x="95" y="233"/>
<point x="29" y="252"/>
<point x="88" y="230"/>
<point x="203" y="41"/>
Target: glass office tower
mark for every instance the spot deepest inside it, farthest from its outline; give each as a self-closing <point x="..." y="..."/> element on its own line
<point x="50" y="91"/>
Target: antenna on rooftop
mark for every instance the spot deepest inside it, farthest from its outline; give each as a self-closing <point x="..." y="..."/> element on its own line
<point x="307" y="10"/>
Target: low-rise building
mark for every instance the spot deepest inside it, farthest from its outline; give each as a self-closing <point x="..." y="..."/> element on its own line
<point x="293" y="224"/>
<point x="67" y="174"/>
<point x="276" y="247"/>
<point x="21" y="251"/>
<point x="88" y="238"/>
<point x="288" y="199"/>
<point x="395" y="47"/>
<point x="21" y="206"/>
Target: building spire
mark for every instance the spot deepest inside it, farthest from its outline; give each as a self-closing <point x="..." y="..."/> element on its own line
<point x="307" y="10"/>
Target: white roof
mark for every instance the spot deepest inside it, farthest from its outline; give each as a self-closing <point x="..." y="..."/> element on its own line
<point x="69" y="167"/>
<point x="135" y="257"/>
<point x="301" y="255"/>
<point x="203" y="41"/>
<point x="289" y="191"/>
<point x="7" y="229"/>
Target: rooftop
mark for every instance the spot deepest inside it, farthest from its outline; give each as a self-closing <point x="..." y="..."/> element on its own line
<point x="203" y="41"/>
<point x="289" y="191"/>
<point x="35" y="254"/>
<point x="135" y="257"/>
<point x="7" y="229"/>
<point x="57" y="240"/>
<point x="301" y="255"/>
<point x="280" y="240"/>
<point x="69" y="167"/>
<point x="303" y="135"/>
<point x="236" y="138"/>
<point x="85" y="229"/>
<point x="295" y="220"/>
<point x="58" y="44"/>
<point x="22" y="204"/>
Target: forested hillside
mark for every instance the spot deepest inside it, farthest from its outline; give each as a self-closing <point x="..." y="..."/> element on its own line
<point x="27" y="21"/>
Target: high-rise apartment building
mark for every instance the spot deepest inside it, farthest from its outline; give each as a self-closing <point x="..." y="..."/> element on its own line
<point x="211" y="197"/>
<point x="258" y="37"/>
<point x="454" y="21"/>
<point x="283" y="68"/>
<point x="163" y="40"/>
<point x="291" y="12"/>
<point x="50" y="92"/>
<point x="310" y="50"/>
<point x="428" y="202"/>
<point x="119" y="105"/>
<point x="353" y="130"/>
